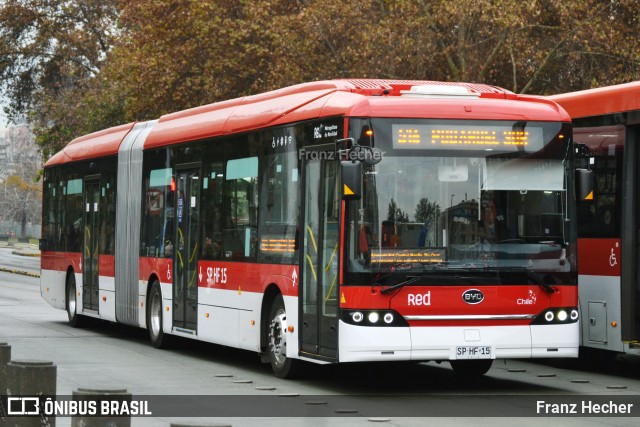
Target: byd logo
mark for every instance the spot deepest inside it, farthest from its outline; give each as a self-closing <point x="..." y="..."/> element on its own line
<point x="472" y="296"/>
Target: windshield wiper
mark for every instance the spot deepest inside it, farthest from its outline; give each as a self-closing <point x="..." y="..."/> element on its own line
<point x="535" y="279"/>
<point x="399" y="285"/>
<point x="435" y="273"/>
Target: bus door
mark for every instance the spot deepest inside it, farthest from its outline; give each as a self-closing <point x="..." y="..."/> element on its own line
<point x="186" y="248"/>
<point x="90" y="243"/>
<point x="320" y="254"/>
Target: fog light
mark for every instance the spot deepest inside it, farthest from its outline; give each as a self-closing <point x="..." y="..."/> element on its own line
<point x="388" y="318"/>
<point x="549" y="316"/>
<point x="374" y="317"/>
<point x="357" y="317"/>
<point x="574" y="314"/>
<point x="562" y="315"/>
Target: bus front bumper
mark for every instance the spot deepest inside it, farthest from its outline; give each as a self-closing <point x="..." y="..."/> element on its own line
<point x="419" y="343"/>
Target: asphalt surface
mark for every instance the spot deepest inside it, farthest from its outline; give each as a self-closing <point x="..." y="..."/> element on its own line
<point x="198" y="376"/>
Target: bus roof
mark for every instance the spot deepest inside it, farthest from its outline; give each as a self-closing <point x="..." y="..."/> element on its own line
<point x="349" y="97"/>
<point x="98" y="144"/>
<point x="329" y="98"/>
<point x="603" y="100"/>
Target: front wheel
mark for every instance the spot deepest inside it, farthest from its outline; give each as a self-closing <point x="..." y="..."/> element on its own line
<point x="154" y="317"/>
<point x="471" y="368"/>
<point x="75" y="319"/>
<point x="283" y="366"/>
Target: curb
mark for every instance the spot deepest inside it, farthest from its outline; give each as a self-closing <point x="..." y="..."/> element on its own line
<point x="23" y="273"/>
<point x="21" y="253"/>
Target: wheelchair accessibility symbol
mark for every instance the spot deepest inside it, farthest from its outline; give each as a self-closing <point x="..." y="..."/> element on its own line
<point x="612" y="259"/>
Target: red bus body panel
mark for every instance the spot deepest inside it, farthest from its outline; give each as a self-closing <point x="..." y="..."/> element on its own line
<point x="599" y="257"/>
<point x="604" y="100"/>
<point x="61" y="261"/>
<point x="98" y="144"/>
<point x="447" y="300"/>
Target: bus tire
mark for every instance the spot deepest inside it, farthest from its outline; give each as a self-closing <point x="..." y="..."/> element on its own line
<point x="154" y="317"/>
<point x="75" y="319"/>
<point x="282" y="366"/>
<point x="471" y="368"/>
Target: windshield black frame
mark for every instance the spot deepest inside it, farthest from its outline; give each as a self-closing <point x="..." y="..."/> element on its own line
<point x="550" y="251"/>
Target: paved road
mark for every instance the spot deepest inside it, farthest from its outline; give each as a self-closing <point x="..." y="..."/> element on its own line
<point x="107" y="355"/>
<point x="21" y="259"/>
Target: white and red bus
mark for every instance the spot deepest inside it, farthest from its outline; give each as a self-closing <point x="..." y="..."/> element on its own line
<point x="328" y="222"/>
<point x="607" y="133"/>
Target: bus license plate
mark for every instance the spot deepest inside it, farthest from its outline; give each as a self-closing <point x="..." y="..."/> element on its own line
<point x="473" y="352"/>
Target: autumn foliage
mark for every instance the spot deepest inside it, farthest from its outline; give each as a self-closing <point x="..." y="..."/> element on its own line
<point x="75" y="67"/>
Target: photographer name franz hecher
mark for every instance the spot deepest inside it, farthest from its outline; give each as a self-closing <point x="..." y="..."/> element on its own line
<point x="361" y="155"/>
<point x="585" y="407"/>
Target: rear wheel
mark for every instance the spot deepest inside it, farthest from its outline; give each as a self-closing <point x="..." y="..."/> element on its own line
<point x="283" y="366"/>
<point x="472" y="368"/>
<point x="154" y="317"/>
<point x="75" y="319"/>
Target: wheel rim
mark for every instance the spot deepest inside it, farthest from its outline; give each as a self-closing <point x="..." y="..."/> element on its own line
<point x="71" y="298"/>
<point x="156" y="311"/>
<point x="278" y="337"/>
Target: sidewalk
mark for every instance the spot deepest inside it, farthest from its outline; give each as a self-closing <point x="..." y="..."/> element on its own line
<point x="29" y="250"/>
<point x="23" y="249"/>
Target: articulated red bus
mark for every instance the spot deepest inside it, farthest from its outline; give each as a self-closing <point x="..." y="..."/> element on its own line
<point x="607" y="133"/>
<point x="335" y="221"/>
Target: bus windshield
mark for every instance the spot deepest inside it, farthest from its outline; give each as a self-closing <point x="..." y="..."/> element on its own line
<point x="464" y="203"/>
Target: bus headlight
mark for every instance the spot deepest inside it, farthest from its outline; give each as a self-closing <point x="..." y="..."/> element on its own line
<point x="357" y="316"/>
<point x="555" y="316"/>
<point x="372" y="317"/>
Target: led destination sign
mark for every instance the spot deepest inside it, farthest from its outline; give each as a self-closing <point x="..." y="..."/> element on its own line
<point x="407" y="256"/>
<point x="466" y="137"/>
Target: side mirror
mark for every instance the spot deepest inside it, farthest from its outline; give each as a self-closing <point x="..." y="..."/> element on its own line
<point x="369" y="155"/>
<point x="582" y="151"/>
<point x="585" y="184"/>
<point x="348" y="149"/>
<point x="43" y="245"/>
<point x="351" y="176"/>
<point x="344" y="145"/>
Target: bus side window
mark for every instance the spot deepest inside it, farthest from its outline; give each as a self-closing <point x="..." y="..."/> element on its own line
<point x="211" y="202"/>
<point x="601" y="150"/>
<point x="279" y="208"/>
<point x="157" y="220"/>
<point x="241" y="197"/>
